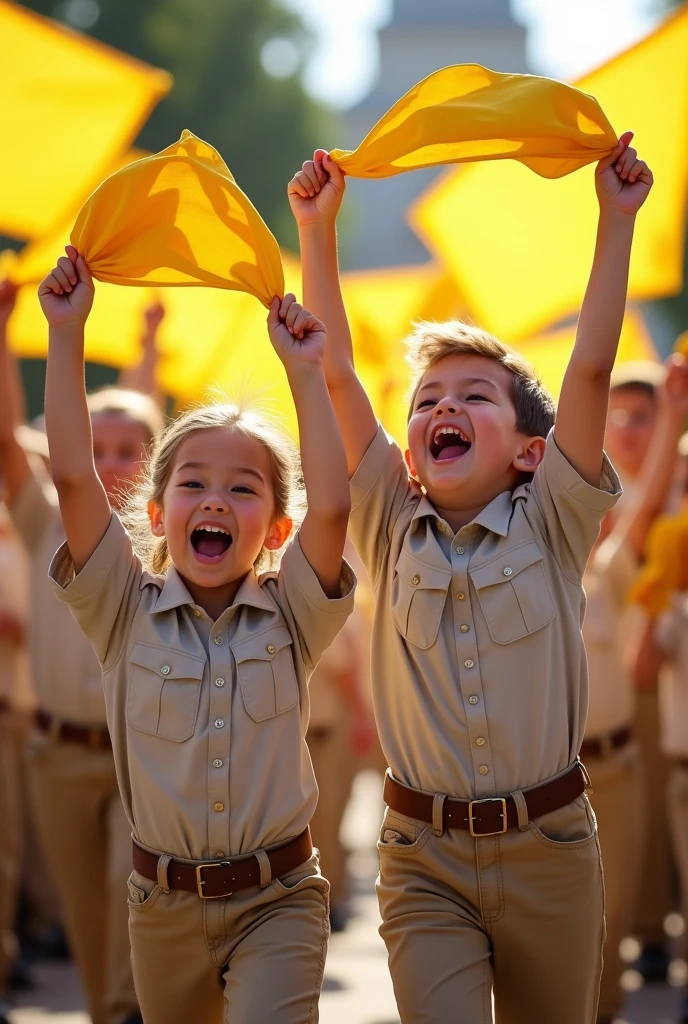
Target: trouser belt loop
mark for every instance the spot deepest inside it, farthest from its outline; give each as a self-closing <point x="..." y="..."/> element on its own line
<point x="265" y="868"/>
<point x="521" y="810"/>
<point x="438" y="814"/>
<point x="163" y="864"/>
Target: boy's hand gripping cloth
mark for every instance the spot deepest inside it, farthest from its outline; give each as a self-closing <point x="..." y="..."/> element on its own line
<point x="465" y="113"/>
<point x="178" y="218"/>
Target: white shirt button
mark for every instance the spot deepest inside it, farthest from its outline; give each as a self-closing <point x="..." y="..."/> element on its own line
<point x="219" y="722"/>
<point x="469" y="663"/>
<point x="217" y="640"/>
<point x="473" y="699"/>
<point x="508" y="571"/>
<point x="219" y="807"/>
<point x="165" y="670"/>
<point x="220" y="681"/>
<point x="459" y="549"/>
<point x="464" y="628"/>
<point x="480" y="741"/>
<point x="483" y="769"/>
<point x="217" y="763"/>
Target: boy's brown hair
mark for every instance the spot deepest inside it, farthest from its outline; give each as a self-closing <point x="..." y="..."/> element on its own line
<point x="134" y="405"/>
<point x="431" y="342"/>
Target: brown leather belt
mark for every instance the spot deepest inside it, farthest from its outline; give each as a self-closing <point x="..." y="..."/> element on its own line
<point x="218" y="879"/>
<point x="604" y="745"/>
<point x="489" y="817"/>
<point x="96" y="737"/>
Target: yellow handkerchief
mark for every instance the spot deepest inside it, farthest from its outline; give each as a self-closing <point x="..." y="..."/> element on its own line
<point x="178" y="218"/>
<point x="465" y="113"/>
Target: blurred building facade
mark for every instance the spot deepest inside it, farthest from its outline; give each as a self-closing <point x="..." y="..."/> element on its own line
<point x="422" y="36"/>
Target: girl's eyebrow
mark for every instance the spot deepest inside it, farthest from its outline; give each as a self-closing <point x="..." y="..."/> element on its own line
<point x="205" y="465"/>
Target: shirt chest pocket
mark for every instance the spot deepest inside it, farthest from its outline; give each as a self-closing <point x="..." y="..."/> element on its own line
<point x="514" y="593"/>
<point x="164" y="692"/>
<point x="419" y="593"/>
<point x="266" y="673"/>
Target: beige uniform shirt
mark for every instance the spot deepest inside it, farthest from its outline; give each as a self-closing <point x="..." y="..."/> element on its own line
<point x="15" y="686"/>
<point x="671" y="634"/>
<point x="207" y="718"/>
<point x="479" y="672"/>
<point x="609" y="622"/>
<point x="65" y="671"/>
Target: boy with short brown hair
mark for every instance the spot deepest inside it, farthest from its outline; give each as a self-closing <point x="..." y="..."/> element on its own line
<point x="490" y="872"/>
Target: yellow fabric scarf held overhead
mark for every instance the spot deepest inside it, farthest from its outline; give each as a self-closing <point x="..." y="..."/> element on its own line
<point x="179" y="218"/>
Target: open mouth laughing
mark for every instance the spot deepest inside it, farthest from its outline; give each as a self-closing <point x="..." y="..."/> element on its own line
<point x="210" y="542"/>
<point x="448" y="442"/>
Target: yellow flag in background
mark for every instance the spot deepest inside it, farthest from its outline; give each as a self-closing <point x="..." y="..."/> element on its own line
<point x="178" y="218"/>
<point x="521" y="248"/>
<point x="70" y="106"/>
<point x="466" y="112"/>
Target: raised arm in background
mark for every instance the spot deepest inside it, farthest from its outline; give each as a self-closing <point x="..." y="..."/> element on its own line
<point x="623" y="183"/>
<point x="315" y="195"/>
<point x="66" y="296"/>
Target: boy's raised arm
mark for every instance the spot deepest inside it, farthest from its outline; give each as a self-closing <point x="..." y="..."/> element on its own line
<point x="66" y="296"/>
<point x="315" y="195"/>
<point x="622" y="183"/>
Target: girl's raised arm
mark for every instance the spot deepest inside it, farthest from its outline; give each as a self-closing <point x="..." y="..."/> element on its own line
<point x="66" y="296"/>
<point x="299" y="340"/>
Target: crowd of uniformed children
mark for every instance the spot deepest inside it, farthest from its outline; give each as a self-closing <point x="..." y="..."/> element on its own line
<point x="181" y="658"/>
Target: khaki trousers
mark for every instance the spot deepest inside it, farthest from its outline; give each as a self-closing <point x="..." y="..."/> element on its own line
<point x="520" y="913"/>
<point x="618" y="799"/>
<point x="10" y="836"/>
<point x="87" y="841"/>
<point x="254" y="958"/>
<point x="677" y="795"/>
<point x="655" y="899"/>
<point x="333" y="764"/>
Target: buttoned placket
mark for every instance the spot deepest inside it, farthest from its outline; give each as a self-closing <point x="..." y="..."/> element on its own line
<point x="470" y="682"/>
<point x="219" y="736"/>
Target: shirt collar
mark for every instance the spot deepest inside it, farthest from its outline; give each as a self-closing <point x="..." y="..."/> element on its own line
<point x="174" y="594"/>
<point x="494" y="517"/>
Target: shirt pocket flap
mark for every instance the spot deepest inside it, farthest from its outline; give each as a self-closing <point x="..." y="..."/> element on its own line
<point x="266" y="673"/>
<point x="170" y="664"/>
<point x="418" y="574"/>
<point x="263" y="647"/>
<point x="505" y="568"/>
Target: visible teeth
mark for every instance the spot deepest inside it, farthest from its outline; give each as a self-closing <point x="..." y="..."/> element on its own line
<point x="213" y="529"/>
<point x="452" y="430"/>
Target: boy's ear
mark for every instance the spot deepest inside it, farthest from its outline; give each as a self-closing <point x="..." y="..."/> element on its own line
<point x="530" y="454"/>
<point x="409" y="464"/>
<point x="155" y="519"/>
<point x="279" y="533"/>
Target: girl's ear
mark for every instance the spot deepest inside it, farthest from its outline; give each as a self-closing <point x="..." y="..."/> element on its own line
<point x="155" y="519"/>
<point x="278" y="534"/>
<point x="409" y="464"/>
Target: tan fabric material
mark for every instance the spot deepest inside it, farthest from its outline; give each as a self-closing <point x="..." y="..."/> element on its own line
<point x="479" y="672"/>
<point x="677" y="795"/>
<point x="656" y="896"/>
<point x="672" y="636"/>
<point x="223" y="704"/>
<point x="618" y="800"/>
<point x="15" y="683"/>
<point x="256" y="957"/>
<point x="65" y="671"/>
<point x="609" y="622"/>
<point x="334" y="766"/>
<point x="10" y="837"/>
<point x="487" y="914"/>
<point x="87" y="841"/>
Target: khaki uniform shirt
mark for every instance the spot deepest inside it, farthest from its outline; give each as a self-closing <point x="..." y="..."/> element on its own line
<point x="609" y="622"/>
<point x="479" y="672"/>
<point x="207" y="718"/>
<point x="671" y="634"/>
<point x="65" y="671"/>
<point x="15" y="686"/>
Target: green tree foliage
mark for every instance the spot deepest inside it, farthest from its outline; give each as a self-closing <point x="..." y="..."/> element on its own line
<point x="264" y="126"/>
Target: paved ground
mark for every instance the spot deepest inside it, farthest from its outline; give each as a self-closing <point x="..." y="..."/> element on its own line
<point x="357" y="989"/>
